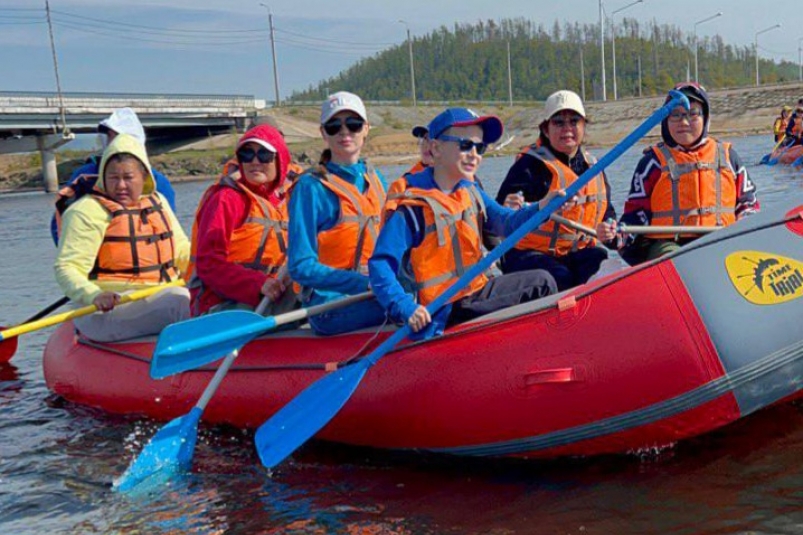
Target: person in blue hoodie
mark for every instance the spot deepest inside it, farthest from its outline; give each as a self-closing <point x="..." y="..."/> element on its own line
<point x="434" y="233"/>
<point x="335" y="211"/>
<point x="82" y="180"/>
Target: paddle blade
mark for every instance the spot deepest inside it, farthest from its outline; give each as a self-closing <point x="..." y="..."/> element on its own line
<point x="307" y="413"/>
<point x="8" y="346"/>
<point x="167" y="453"/>
<point x="194" y="343"/>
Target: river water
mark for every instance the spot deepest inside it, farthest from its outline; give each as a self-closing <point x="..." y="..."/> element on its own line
<point x="57" y="460"/>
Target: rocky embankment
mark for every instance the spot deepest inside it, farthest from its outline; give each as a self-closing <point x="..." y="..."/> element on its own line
<point x="743" y="111"/>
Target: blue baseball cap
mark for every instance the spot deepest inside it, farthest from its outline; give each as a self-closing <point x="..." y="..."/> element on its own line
<point x="491" y="125"/>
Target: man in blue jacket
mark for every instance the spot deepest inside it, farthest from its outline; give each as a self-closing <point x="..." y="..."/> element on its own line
<point x="82" y="180"/>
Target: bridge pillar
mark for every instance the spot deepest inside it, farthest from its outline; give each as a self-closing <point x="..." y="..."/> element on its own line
<point x="47" y="145"/>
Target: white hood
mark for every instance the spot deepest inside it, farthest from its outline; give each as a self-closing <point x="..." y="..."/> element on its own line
<point x="125" y="121"/>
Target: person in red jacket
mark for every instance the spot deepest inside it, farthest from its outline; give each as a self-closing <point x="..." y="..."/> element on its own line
<point x="240" y="233"/>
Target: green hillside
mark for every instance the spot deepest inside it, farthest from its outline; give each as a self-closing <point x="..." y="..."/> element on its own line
<point x="469" y="62"/>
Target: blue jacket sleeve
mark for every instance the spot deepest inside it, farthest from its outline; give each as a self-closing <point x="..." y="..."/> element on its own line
<point x="163" y="186"/>
<point x="503" y="221"/>
<point x="393" y="243"/>
<point x="313" y="209"/>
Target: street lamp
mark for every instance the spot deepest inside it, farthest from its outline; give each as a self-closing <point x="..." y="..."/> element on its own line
<point x="602" y="47"/>
<point x="712" y="17"/>
<point x="800" y="57"/>
<point x="412" y="65"/>
<point x="613" y="42"/>
<point x="273" y="53"/>
<point x="755" y="44"/>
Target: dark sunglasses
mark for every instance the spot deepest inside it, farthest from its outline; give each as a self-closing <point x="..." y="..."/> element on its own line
<point x="333" y="126"/>
<point x="560" y="122"/>
<point x="247" y="155"/>
<point x="466" y="145"/>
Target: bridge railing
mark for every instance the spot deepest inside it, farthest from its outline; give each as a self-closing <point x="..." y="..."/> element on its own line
<point x="28" y="99"/>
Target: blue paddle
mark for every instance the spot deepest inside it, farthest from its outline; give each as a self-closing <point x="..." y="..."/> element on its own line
<point x="171" y="448"/>
<point x="316" y="405"/>
<point x="199" y="341"/>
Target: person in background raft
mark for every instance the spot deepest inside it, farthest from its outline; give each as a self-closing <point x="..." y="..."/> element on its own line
<point x="435" y="233"/>
<point x="123" y="236"/>
<point x="552" y="163"/>
<point x="82" y="180"/>
<point x="688" y="179"/>
<point x="239" y="239"/>
<point x="781" y="122"/>
<point x="232" y="166"/>
<point x="794" y="129"/>
<point x="335" y="211"/>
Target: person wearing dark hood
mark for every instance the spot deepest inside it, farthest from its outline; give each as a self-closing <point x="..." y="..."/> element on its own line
<point x="552" y="163"/>
<point x="239" y="239"/>
<point x="794" y="128"/>
<point x="82" y="180"/>
<point x="688" y="179"/>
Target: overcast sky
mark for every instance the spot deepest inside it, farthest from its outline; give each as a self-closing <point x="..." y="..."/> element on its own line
<point x="222" y="46"/>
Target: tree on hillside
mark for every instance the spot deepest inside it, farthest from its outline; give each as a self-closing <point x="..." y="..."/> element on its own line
<point x="469" y="62"/>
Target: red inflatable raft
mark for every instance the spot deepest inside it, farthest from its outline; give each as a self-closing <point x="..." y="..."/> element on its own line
<point x="639" y="359"/>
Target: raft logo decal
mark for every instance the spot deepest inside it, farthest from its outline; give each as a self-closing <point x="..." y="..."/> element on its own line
<point x="765" y="278"/>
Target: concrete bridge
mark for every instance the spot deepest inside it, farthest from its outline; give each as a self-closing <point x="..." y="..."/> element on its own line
<point x="40" y="121"/>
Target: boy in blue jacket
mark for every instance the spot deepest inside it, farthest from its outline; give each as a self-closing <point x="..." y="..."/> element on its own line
<point x="434" y="233"/>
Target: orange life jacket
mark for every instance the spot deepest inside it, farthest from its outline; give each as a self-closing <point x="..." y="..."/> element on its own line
<point x="559" y="240"/>
<point x="259" y="243"/>
<point x="350" y="242"/>
<point x="695" y="188"/>
<point x="452" y="241"/>
<point x="138" y="246"/>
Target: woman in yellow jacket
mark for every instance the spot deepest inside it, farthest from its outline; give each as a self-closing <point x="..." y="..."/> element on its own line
<point x="121" y="237"/>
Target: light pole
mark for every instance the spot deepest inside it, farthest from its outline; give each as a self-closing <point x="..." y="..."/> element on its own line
<point x="755" y="44"/>
<point x="613" y="42"/>
<point x="602" y="47"/>
<point x="712" y="17"/>
<point x="273" y="53"/>
<point x="800" y="57"/>
<point x="412" y="65"/>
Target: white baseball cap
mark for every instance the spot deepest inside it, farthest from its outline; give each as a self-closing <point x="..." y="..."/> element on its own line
<point x="563" y="100"/>
<point x="342" y="101"/>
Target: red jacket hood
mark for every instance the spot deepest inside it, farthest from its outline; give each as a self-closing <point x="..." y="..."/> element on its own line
<point x="272" y="136"/>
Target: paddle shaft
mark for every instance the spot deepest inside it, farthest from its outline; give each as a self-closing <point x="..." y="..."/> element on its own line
<point x="47" y="310"/>
<point x="223" y="369"/>
<point x="666" y="229"/>
<point x="637" y="229"/>
<point x="201" y="342"/>
<point x="79" y="312"/>
<point x="573" y="224"/>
